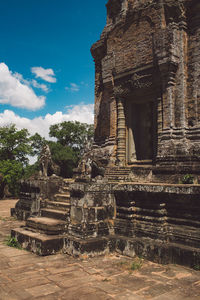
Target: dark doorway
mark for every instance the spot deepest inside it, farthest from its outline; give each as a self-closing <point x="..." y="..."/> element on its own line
<point x="142" y="131"/>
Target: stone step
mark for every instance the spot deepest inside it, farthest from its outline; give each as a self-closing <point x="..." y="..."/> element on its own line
<point x="90" y="247"/>
<point x="58" y="205"/>
<point x="66" y="187"/>
<point x="122" y="170"/>
<point x="63" y="197"/>
<point x="116" y="177"/>
<point x="55" y="214"/>
<point x="117" y="173"/>
<point x="118" y="170"/>
<point x="46" y="225"/>
<point x="68" y="181"/>
<point x="65" y="190"/>
<point x="41" y="244"/>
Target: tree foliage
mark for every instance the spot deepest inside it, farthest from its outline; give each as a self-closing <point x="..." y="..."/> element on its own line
<point x="64" y="157"/>
<point x="72" y="138"/>
<point x="14" y="144"/>
<point x="17" y="145"/>
<point x="31" y="170"/>
<point x="72" y="134"/>
<point x="12" y="171"/>
<point x="36" y="143"/>
<point x="14" y="150"/>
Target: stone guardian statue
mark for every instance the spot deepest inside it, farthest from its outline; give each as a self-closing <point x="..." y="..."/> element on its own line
<point x="45" y="159"/>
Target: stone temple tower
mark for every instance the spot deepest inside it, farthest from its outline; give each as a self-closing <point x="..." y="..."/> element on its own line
<point x="147" y="88"/>
<point x="147" y="135"/>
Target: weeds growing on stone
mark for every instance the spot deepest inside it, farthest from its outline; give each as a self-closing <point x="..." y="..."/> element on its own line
<point x="12" y="242"/>
<point x="137" y="264"/>
<point x="187" y="179"/>
<point x="196" y="267"/>
<point x="4" y="219"/>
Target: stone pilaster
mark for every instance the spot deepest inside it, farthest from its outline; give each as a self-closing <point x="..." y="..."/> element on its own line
<point x="121" y="133"/>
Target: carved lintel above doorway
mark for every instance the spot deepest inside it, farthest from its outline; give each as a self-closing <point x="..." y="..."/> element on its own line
<point x="137" y="81"/>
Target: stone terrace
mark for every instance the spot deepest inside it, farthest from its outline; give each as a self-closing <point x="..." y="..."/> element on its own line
<point x="24" y="275"/>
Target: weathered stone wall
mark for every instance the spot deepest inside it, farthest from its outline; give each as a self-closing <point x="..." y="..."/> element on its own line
<point x="33" y="193"/>
<point x="149" y="53"/>
<point x="159" y="222"/>
<point x="92" y="210"/>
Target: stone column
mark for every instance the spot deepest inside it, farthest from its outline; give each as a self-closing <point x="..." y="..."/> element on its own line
<point x="168" y="57"/>
<point x="121" y="133"/>
<point x="183" y="74"/>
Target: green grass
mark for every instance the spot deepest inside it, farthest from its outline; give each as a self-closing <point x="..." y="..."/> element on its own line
<point x="12" y="242"/>
<point x="136" y="265"/>
<point x="196" y="267"/>
<point x="187" y="179"/>
<point x="4" y="219"/>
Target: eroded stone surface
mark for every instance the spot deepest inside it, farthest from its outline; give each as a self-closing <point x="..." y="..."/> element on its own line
<point x="24" y="275"/>
<point x="146" y="89"/>
<point x="147" y="137"/>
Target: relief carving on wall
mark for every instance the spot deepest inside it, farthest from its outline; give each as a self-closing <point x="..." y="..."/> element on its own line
<point x="138" y="80"/>
<point x="121" y="91"/>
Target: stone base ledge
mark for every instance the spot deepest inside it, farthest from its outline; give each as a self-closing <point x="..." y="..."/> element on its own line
<point x="20" y="214"/>
<point x="38" y="243"/>
<point x="157" y="251"/>
<point x="90" y="247"/>
<point x="153" y="250"/>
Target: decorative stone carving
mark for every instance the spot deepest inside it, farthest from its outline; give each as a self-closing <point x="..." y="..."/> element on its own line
<point x="48" y="167"/>
<point x="141" y="81"/>
<point x="121" y="91"/>
<point x="153" y="93"/>
<point x="45" y="159"/>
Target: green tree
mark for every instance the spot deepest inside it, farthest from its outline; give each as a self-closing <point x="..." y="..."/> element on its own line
<point x="14" y="144"/>
<point x="36" y="143"/>
<point x="72" y="134"/>
<point x="31" y="170"/>
<point x="72" y="138"/>
<point x="12" y="171"/>
<point x="64" y="157"/>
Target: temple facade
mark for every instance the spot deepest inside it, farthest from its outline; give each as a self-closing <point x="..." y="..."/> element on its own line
<point x="147" y="87"/>
<point x="147" y="138"/>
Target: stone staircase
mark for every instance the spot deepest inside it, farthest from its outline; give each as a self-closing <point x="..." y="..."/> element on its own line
<point x="44" y="233"/>
<point x="117" y="174"/>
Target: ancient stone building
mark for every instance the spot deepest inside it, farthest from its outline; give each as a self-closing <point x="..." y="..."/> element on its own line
<point x="147" y="87"/>
<point x="147" y="133"/>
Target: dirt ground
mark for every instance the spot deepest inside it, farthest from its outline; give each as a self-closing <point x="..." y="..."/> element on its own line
<point x="24" y="275"/>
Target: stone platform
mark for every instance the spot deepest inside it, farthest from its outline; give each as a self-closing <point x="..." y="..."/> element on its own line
<point x="159" y="222"/>
<point x="24" y="275"/>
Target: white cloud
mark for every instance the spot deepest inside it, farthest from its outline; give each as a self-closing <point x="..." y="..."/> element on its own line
<point x="21" y="78"/>
<point x="16" y="91"/>
<point x="73" y="87"/>
<point x="82" y="113"/>
<point x="39" y="86"/>
<point x="45" y="74"/>
<point x="32" y="82"/>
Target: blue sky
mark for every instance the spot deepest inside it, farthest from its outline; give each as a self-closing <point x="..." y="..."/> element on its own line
<point x="46" y="70"/>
